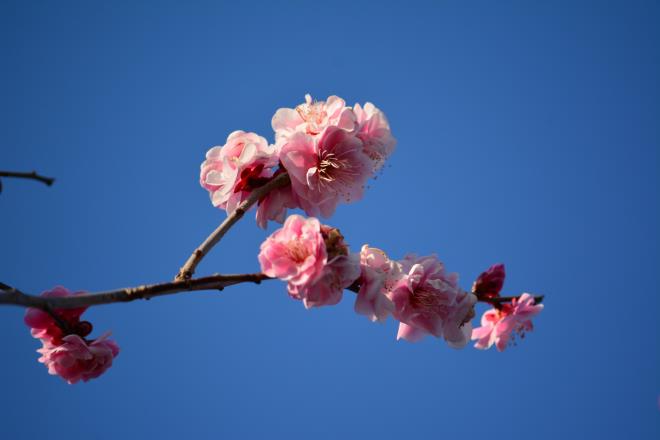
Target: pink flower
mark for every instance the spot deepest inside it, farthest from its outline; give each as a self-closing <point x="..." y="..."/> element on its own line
<point x="498" y="326"/>
<point x="329" y="287"/>
<point x="489" y="283"/>
<point x="378" y="276"/>
<point x="296" y="252"/>
<point x="43" y="326"/>
<point x="232" y="171"/>
<point x="374" y="131"/>
<point x="312" y="118"/>
<point x="325" y="170"/>
<point x="275" y="205"/>
<point x="427" y="300"/>
<point x="75" y="359"/>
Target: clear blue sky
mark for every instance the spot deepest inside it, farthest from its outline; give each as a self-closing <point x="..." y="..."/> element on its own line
<point x="528" y="134"/>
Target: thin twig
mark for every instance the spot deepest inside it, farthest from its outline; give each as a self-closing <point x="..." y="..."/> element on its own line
<point x="188" y="269"/>
<point x="33" y="175"/>
<point x="499" y="300"/>
<point x="11" y="296"/>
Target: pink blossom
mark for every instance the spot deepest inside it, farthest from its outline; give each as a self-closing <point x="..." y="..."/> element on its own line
<point x="43" y="326"/>
<point x="325" y="170"/>
<point x="76" y="359"/>
<point x="427" y="300"/>
<point x="296" y="252"/>
<point x="275" y="205"/>
<point x="489" y="283"/>
<point x="232" y="171"/>
<point x="329" y="287"/>
<point x="378" y="276"/>
<point x="500" y="326"/>
<point x="312" y="118"/>
<point x="374" y="131"/>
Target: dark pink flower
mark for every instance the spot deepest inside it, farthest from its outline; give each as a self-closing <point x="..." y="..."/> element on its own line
<point x="328" y="289"/>
<point x="43" y="326"/>
<point x="76" y="359"/>
<point x="325" y="170"/>
<point x="427" y="300"/>
<point x="499" y="326"/>
<point x="489" y="283"/>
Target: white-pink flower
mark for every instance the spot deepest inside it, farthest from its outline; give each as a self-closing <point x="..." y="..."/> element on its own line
<point x="232" y="171"/>
<point x="375" y="134"/>
<point x="427" y="300"/>
<point x="499" y="326"/>
<point x="296" y="252"/>
<point x="378" y="277"/>
<point x="76" y="359"/>
<point x="312" y="118"/>
<point x="325" y="170"/>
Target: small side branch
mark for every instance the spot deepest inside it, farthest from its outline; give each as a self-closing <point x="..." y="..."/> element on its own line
<point x="11" y="296"/>
<point x="188" y="269"/>
<point x="33" y="176"/>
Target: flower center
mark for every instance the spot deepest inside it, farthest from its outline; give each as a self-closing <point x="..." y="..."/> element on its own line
<point x="313" y="113"/>
<point x="296" y="251"/>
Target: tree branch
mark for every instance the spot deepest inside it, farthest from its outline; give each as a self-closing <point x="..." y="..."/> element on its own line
<point x="11" y="296"/>
<point x="33" y="175"/>
<point x="499" y="300"/>
<point x="188" y="269"/>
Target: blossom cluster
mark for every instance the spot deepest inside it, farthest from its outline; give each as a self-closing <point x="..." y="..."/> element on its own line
<point x="328" y="149"/>
<point x="65" y="351"/>
<point x="417" y="291"/>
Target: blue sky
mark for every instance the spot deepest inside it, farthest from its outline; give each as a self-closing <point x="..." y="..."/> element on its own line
<point x="528" y="134"/>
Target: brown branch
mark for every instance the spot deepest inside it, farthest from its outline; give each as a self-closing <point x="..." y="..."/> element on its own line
<point x="188" y="269"/>
<point x="33" y="175"/>
<point x="11" y="296"/>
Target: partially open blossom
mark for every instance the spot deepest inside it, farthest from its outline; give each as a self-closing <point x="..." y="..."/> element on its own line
<point x="499" y="326"/>
<point x="374" y="131"/>
<point x="378" y="276"/>
<point x="325" y="170"/>
<point x="427" y="300"/>
<point x="489" y="283"/>
<point x="65" y="350"/>
<point x="76" y="359"/>
<point x="296" y="252"/>
<point x="312" y="118"/>
<point x="232" y="171"/>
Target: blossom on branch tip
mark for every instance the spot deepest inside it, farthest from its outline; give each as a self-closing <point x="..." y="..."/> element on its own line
<point x="499" y="326"/>
<point x="375" y="134"/>
<point x="427" y="300"/>
<point x="66" y="351"/>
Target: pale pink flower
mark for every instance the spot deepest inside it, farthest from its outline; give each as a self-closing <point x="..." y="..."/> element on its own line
<point x="378" y="277"/>
<point x="43" y="326"/>
<point x="296" y="252"/>
<point x="427" y="300"/>
<point x="312" y="118"/>
<point x="328" y="289"/>
<point x="232" y="171"/>
<point x="76" y="359"/>
<point x="325" y="170"/>
<point x="500" y="326"/>
<point x="374" y="131"/>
